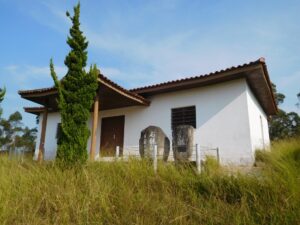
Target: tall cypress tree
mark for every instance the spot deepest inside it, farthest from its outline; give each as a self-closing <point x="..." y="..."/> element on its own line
<point x="76" y="93"/>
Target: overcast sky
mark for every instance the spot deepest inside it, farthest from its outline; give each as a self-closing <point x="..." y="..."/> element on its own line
<point x="136" y="43"/>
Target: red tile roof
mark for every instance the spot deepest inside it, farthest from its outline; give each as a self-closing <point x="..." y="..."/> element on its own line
<point x="141" y="89"/>
<point x="266" y="97"/>
<point x="39" y="90"/>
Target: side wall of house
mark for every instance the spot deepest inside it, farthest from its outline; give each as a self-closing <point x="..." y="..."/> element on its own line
<point x="221" y="120"/>
<point x="258" y="121"/>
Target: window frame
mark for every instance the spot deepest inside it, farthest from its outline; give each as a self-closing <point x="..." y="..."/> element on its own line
<point x="193" y="123"/>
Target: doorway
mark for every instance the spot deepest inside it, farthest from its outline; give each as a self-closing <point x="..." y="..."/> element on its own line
<point x="112" y="135"/>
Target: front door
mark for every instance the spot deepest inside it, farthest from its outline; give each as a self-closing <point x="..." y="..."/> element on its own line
<point x="112" y="135"/>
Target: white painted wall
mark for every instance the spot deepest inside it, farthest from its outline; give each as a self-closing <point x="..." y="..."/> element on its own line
<point x="259" y="129"/>
<point x="50" y="139"/>
<point x="38" y="139"/>
<point x="222" y="117"/>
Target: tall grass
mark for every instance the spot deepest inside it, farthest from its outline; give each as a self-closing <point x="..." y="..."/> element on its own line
<point x="131" y="193"/>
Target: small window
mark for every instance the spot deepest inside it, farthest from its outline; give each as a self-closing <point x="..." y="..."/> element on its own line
<point x="58" y="132"/>
<point x="184" y="116"/>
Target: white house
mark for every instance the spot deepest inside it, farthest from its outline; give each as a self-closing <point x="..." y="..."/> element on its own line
<point x="230" y="110"/>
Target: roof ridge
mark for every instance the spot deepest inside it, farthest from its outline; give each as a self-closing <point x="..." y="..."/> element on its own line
<point x="260" y="60"/>
<point x="133" y="90"/>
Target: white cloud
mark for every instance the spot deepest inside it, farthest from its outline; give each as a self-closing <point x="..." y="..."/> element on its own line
<point x="35" y="72"/>
<point x="285" y="81"/>
<point x="110" y="71"/>
<point x="172" y="56"/>
<point x="27" y="75"/>
<point x="11" y="68"/>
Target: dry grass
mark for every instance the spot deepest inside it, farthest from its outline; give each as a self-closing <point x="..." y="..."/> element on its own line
<point x="130" y="193"/>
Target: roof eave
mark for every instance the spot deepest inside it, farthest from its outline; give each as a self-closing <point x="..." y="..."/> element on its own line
<point x="34" y="110"/>
<point x="38" y="95"/>
<point x="138" y="95"/>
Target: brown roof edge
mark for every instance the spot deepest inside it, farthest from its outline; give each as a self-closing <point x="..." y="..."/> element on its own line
<point x="265" y="69"/>
<point x="34" y="110"/>
<point x="213" y="78"/>
<point x="140" y="93"/>
<point x="52" y="90"/>
<point x="125" y="91"/>
<point x="145" y="89"/>
<point x="33" y="91"/>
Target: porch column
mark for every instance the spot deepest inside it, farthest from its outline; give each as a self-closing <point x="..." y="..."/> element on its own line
<point x="94" y="128"/>
<point x="43" y="134"/>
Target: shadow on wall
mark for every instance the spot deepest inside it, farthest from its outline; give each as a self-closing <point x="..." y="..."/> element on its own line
<point x="215" y="101"/>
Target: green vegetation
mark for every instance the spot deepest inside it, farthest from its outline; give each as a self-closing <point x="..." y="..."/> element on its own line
<point x="77" y="91"/>
<point x="13" y="135"/>
<point x="131" y="193"/>
<point x="283" y="124"/>
<point x="2" y="94"/>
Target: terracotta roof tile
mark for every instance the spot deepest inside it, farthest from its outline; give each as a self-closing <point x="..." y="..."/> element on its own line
<point x="39" y="90"/>
<point x="101" y="76"/>
<point x="213" y="77"/>
<point x="260" y="60"/>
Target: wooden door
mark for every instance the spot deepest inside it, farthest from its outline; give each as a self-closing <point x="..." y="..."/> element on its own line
<point x="112" y="135"/>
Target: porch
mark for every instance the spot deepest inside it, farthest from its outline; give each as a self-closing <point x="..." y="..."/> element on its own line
<point x="109" y="96"/>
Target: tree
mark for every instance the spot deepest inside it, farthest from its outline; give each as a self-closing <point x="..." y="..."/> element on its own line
<point x="76" y="93"/>
<point x="283" y="124"/>
<point x="279" y="97"/>
<point x="2" y="94"/>
<point x="10" y="129"/>
<point x="26" y="139"/>
<point x="14" y="135"/>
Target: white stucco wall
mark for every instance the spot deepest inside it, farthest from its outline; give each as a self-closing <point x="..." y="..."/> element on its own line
<point x="258" y="122"/>
<point x="50" y="138"/>
<point x="39" y="128"/>
<point x="222" y="120"/>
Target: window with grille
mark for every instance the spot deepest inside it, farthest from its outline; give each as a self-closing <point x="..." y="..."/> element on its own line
<point x="184" y="116"/>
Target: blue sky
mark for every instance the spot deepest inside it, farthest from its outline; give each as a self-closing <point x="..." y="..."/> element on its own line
<point x="136" y="43"/>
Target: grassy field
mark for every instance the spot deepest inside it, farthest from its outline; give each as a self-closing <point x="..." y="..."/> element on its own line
<point x="130" y="193"/>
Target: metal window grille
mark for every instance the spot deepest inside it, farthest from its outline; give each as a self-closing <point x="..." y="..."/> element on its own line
<point x="184" y="116"/>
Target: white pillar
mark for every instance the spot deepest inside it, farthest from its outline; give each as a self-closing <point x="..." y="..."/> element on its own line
<point x="198" y="159"/>
<point x="94" y="128"/>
